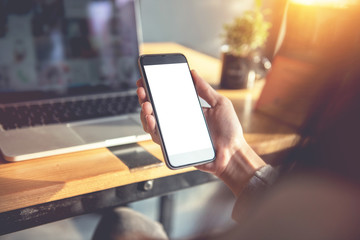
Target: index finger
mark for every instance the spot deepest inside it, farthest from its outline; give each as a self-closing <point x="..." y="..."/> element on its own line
<point x="139" y="83"/>
<point x="141" y="95"/>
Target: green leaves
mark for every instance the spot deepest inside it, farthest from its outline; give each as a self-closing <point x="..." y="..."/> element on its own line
<point x="247" y="32"/>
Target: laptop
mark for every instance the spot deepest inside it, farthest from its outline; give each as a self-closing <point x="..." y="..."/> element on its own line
<point x="68" y="72"/>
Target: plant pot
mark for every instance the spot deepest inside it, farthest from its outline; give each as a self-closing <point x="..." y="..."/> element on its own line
<point x="237" y="71"/>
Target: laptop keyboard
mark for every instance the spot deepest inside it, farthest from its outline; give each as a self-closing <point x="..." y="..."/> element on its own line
<point x="20" y="116"/>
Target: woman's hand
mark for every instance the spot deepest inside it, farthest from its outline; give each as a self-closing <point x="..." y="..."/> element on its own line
<point x="235" y="161"/>
<point x="223" y="123"/>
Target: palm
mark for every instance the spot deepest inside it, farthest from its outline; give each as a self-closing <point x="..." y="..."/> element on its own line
<point x="225" y="131"/>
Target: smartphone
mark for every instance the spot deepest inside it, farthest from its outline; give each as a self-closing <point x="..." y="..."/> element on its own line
<point x="184" y="135"/>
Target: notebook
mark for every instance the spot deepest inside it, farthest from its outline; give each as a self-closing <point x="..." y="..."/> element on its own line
<point x="68" y="72"/>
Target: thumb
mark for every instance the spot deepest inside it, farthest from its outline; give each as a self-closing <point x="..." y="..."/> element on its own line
<point x="204" y="89"/>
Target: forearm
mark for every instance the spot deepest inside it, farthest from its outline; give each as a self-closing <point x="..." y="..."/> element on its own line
<point x="243" y="164"/>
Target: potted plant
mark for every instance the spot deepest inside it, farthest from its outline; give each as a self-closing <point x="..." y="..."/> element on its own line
<point x="242" y="38"/>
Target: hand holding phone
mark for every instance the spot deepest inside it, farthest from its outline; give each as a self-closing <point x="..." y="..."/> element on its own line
<point x="183" y="132"/>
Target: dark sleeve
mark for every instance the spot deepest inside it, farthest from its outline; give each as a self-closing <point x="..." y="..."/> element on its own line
<point x="257" y="185"/>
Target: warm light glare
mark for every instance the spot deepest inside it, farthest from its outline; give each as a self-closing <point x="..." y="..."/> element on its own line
<point x="332" y="3"/>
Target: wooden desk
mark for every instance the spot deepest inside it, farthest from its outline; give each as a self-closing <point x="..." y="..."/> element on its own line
<point x="33" y="192"/>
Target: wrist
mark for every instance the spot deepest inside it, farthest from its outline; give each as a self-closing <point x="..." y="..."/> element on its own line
<point x="242" y="165"/>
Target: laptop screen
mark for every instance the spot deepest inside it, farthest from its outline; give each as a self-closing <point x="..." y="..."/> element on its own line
<point x="54" y="48"/>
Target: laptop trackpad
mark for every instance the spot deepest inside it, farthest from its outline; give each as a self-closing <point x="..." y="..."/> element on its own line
<point x="113" y="128"/>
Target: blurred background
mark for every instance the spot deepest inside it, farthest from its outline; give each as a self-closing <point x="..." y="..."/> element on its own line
<point x="198" y="23"/>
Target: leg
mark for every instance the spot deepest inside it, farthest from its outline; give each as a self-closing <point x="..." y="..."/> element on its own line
<point x="125" y="223"/>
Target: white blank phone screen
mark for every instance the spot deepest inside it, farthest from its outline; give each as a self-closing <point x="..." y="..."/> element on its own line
<point x="182" y="124"/>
